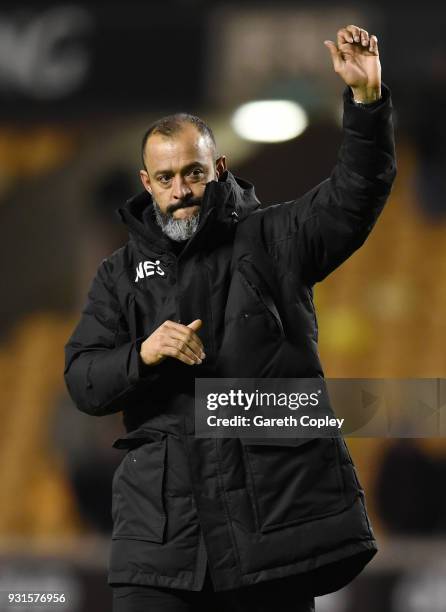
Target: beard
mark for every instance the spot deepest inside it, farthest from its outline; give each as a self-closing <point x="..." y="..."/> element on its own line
<point x="177" y="229"/>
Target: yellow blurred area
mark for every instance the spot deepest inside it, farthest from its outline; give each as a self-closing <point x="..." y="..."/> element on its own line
<point x="381" y="314"/>
<point x="28" y="152"/>
<point x="36" y="494"/>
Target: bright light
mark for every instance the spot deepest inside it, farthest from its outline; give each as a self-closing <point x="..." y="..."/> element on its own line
<point x="270" y="120"/>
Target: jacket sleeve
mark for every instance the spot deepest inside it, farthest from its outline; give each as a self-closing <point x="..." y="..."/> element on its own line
<point x="102" y="373"/>
<point x="331" y="221"/>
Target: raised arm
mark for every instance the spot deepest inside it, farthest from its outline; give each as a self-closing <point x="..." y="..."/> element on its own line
<point x="321" y="229"/>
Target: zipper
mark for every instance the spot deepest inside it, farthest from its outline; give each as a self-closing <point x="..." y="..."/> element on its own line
<point x="176" y="259"/>
<point x="132" y="318"/>
<point x="264" y="298"/>
<point x="197" y="233"/>
<point x="212" y="339"/>
<point x="173" y="259"/>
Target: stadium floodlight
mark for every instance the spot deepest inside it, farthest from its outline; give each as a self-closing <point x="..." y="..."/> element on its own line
<point x="269" y="120"/>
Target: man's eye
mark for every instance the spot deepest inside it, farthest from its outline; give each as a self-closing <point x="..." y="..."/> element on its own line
<point x="164" y="178"/>
<point x="197" y="172"/>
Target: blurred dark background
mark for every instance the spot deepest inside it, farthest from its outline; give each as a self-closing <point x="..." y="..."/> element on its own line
<point x="79" y="83"/>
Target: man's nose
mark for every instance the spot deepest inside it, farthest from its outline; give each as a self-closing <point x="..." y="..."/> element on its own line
<point x="180" y="189"/>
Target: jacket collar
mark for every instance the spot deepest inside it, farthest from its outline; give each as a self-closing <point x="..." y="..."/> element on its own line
<point x="225" y="202"/>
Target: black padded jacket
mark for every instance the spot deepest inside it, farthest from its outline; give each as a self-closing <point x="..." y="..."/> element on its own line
<point x="254" y="512"/>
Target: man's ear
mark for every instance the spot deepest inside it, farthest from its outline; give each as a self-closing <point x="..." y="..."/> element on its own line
<point x="145" y="180"/>
<point x="220" y="165"/>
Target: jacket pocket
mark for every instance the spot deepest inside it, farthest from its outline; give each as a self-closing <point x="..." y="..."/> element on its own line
<point x="137" y="489"/>
<point x="292" y="481"/>
<point x="260" y="291"/>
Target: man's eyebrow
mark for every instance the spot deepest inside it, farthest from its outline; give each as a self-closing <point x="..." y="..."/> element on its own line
<point x="185" y="169"/>
<point x="192" y="165"/>
<point x="160" y="172"/>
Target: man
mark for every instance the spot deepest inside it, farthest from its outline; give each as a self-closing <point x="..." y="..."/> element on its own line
<point x="211" y="285"/>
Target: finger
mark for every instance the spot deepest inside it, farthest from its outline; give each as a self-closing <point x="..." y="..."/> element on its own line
<point x="185" y="348"/>
<point x="373" y="47"/>
<point x="355" y="32"/>
<point x="184" y="330"/>
<point x="344" y="36"/>
<point x="335" y="54"/>
<point x="185" y="334"/>
<point x="186" y="340"/>
<point x="170" y="351"/>
<point x="195" y="325"/>
<point x="364" y="38"/>
<point x="177" y="353"/>
<point x="189" y="337"/>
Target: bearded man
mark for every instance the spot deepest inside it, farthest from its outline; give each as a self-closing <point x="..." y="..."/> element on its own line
<point x="212" y="285"/>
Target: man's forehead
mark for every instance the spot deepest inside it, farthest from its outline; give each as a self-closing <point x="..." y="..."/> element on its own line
<point x="187" y="143"/>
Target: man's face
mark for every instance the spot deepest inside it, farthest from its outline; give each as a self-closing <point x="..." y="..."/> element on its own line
<point x="178" y="169"/>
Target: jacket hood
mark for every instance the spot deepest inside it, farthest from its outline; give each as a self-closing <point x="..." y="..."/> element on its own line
<point x="230" y="199"/>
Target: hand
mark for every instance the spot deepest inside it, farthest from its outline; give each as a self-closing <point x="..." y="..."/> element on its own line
<point x="175" y="340"/>
<point x="356" y="60"/>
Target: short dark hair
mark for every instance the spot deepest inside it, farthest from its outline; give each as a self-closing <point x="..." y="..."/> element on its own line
<point x="171" y="125"/>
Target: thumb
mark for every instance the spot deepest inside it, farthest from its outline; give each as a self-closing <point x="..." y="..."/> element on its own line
<point x="335" y="54"/>
<point x="195" y="325"/>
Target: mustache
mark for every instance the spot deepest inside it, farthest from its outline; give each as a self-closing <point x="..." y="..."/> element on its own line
<point x="183" y="204"/>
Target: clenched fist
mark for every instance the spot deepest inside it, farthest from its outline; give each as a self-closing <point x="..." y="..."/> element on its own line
<point x="174" y="340"/>
<point x="356" y="60"/>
